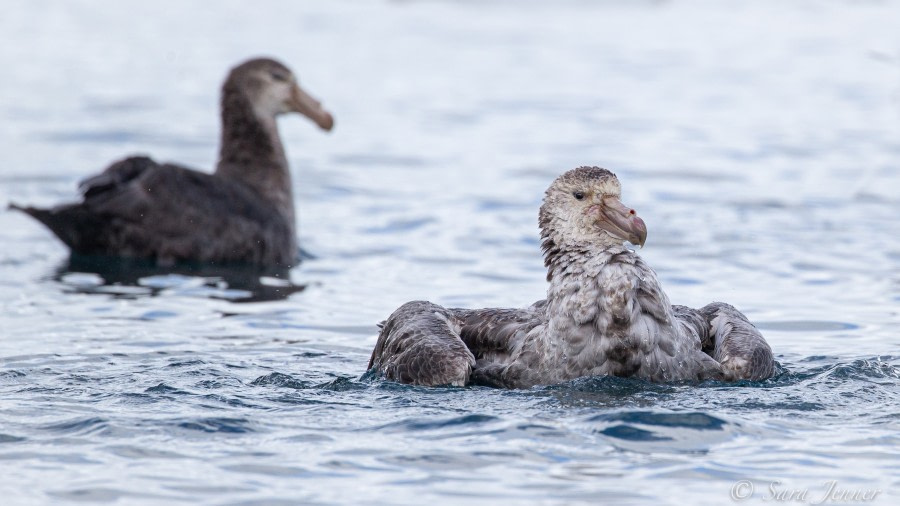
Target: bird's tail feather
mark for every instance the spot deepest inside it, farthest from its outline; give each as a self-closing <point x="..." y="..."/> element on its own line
<point x="70" y="223"/>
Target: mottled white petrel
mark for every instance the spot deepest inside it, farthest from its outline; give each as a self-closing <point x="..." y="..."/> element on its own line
<point x="605" y="313"/>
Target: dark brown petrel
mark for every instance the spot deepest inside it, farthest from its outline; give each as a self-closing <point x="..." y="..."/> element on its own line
<point x="242" y="213"/>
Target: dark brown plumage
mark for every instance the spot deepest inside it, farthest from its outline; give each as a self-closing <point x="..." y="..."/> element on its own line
<point x="243" y="213"/>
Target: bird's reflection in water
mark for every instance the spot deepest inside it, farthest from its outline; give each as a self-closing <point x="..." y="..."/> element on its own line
<point x="130" y="278"/>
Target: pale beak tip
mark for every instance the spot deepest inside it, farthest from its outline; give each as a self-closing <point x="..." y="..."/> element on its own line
<point x="640" y="232"/>
<point x="326" y="122"/>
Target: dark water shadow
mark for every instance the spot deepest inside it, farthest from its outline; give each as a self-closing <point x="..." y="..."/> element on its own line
<point x="130" y="278"/>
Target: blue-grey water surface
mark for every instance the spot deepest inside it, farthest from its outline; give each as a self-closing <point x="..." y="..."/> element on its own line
<point x="760" y="142"/>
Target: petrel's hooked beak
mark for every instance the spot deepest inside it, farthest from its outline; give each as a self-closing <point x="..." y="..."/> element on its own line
<point x="622" y="222"/>
<point x="303" y="103"/>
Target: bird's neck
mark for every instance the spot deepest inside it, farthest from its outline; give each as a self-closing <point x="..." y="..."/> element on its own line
<point x="579" y="275"/>
<point x="251" y="153"/>
<point x="565" y="259"/>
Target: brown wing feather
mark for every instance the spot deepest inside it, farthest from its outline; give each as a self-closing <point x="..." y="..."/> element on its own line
<point x="493" y="331"/>
<point x="138" y="208"/>
<point x="738" y="345"/>
<point x="730" y="339"/>
<point x="420" y="344"/>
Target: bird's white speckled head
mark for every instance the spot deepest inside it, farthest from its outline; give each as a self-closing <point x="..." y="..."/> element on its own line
<point x="582" y="208"/>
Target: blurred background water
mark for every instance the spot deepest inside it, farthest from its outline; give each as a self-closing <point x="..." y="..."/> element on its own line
<point x="759" y="141"/>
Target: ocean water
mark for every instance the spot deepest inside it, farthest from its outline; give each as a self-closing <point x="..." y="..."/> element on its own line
<point x="759" y="141"/>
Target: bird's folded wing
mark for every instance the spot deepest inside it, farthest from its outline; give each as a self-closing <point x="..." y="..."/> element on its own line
<point x="116" y="175"/>
<point x="140" y="208"/>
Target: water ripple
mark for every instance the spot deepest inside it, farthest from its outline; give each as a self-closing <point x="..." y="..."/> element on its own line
<point x="415" y="425"/>
<point x="281" y="380"/>
<point x="212" y="424"/>
<point x="78" y="426"/>
<point x="698" y="421"/>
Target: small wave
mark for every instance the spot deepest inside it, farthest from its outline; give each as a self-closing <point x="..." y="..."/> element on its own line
<point x="341" y="384"/>
<point x="683" y="429"/>
<point x="185" y="363"/>
<point x="695" y="420"/>
<point x="662" y="431"/>
<point x="93" y="495"/>
<point x="98" y="495"/>
<point x="418" y="424"/>
<point x="79" y="426"/>
<point x="278" y="379"/>
<point x="219" y="400"/>
<point x="864" y="369"/>
<point x="162" y="388"/>
<point x="311" y="354"/>
<point x="630" y="433"/>
<point x="279" y="471"/>
<point x="11" y="375"/>
<point x="611" y="385"/>
<point x="142" y="452"/>
<point x="8" y="438"/>
<point x="226" y="425"/>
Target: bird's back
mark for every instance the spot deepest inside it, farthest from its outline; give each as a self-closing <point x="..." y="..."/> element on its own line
<point x="138" y="208"/>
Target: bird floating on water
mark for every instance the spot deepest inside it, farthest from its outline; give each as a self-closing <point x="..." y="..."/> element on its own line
<point x="242" y="213"/>
<point x="605" y="313"/>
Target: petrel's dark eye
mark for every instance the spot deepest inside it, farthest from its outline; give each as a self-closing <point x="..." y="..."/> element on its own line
<point x="278" y="76"/>
<point x="578" y="195"/>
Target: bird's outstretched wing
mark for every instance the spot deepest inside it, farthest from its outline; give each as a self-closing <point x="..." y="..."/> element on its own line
<point x="492" y="330"/>
<point x="420" y="344"/>
<point x="426" y="344"/>
<point x="730" y="339"/>
<point x="493" y="334"/>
